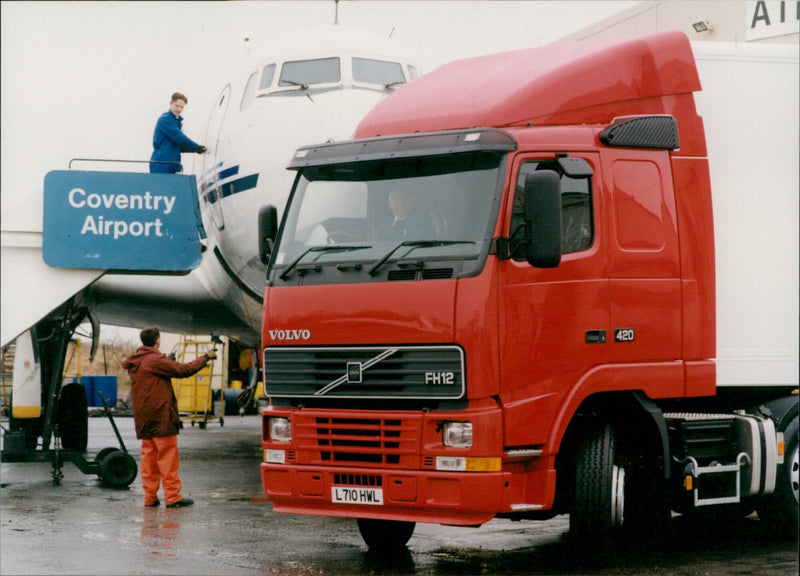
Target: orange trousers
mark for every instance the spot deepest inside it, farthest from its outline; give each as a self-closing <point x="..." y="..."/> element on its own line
<point x="160" y="462"/>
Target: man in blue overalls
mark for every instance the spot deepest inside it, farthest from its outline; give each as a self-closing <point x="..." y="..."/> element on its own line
<point x="169" y="140"/>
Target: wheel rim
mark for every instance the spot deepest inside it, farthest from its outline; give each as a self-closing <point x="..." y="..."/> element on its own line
<point x="618" y="495"/>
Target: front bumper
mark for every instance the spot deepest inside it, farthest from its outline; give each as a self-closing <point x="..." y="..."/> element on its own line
<point x="455" y="498"/>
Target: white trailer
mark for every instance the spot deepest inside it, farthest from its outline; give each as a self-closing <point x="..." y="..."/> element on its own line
<point x="749" y="104"/>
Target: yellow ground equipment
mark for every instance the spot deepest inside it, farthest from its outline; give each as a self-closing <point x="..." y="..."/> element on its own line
<point x="6" y="376"/>
<point x="195" y="394"/>
<point x="73" y="356"/>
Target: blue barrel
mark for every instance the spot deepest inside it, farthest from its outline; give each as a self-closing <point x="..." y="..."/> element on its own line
<point x="88" y="384"/>
<point x="107" y="385"/>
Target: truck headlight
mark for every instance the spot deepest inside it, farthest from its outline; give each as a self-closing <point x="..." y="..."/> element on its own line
<point x="280" y="429"/>
<point x="457" y="434"/>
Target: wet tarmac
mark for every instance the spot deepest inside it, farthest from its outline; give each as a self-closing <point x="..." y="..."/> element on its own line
<point x="81" y="527"/>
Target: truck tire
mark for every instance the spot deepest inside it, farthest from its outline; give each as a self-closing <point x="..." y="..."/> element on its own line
<point x="118" y="469"/>
<point x="779" y="512"/>
<point x="597" y="512"/>
<point x="385" y="535"/>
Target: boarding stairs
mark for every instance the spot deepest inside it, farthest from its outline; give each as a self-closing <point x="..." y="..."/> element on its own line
<point x="29" y="288"/>
<point x="47" y="256"/>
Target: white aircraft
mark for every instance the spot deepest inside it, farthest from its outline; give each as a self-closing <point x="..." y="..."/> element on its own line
<point x="312" y="88"/>
<point x="284" y="99"/>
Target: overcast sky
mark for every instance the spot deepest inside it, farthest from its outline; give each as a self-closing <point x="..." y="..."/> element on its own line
<point x="89" y="79"/>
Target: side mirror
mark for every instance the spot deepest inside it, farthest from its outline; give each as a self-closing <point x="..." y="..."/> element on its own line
<point x="543" y="219"/>
<point x="267" y="231"/>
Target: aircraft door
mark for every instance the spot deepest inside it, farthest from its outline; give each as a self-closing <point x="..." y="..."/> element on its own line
<point x="212" y="160"/>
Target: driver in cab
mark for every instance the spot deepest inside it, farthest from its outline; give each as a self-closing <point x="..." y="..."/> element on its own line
<point x="407" y="223"/>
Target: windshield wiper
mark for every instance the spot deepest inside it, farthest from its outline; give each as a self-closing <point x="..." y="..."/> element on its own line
<point x="416" y="244"/>
<point x="343" y="248"/>
<point x="300" y="85"/>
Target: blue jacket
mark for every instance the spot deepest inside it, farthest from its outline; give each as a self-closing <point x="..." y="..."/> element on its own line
<point x="168" y="143"/>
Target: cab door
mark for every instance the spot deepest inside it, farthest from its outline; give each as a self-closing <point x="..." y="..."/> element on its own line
<point x="554" y="323"/>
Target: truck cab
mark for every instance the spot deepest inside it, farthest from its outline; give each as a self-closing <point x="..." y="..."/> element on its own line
<point x="501" y="302"/>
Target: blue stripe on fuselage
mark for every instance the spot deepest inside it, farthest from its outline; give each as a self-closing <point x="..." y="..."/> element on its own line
<point x="209" y="181"/>
<point x="233" y="187"/>
<point x="228" y="172"/>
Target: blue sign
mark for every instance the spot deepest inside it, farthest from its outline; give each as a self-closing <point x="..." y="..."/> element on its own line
<point x="121" y="221"/>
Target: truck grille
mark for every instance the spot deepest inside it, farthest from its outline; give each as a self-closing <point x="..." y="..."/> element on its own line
<point x="355" y="441"/>
<point x="358" y="480"/>
<point x="396" y="372"/>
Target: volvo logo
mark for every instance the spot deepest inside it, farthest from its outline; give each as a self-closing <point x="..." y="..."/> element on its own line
<point x="354" y="372"/>
<point x="290" y="334"/>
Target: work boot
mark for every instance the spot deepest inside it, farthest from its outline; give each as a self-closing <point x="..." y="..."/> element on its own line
<point x="154" y="504"/>
<point x="181" y="503"/>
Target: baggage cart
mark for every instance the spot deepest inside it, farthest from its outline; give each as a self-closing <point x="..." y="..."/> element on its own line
<point x="195" y="395"/>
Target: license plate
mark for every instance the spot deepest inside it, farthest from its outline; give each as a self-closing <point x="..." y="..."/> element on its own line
<point x="343" y="495"/>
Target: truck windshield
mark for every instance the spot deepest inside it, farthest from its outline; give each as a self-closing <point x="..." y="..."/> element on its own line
<point x="419" y="208"/>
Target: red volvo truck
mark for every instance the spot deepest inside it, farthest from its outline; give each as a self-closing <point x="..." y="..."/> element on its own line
<point x="500" y="300"/>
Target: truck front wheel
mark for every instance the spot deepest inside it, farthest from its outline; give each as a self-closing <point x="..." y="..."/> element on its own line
<point x="385" y="535"/>
<point x="598" y="510"/>
<point x="780" y="511"/>
<point x="620" y="496"/>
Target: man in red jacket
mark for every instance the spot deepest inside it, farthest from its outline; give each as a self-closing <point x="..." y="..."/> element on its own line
<point x="155" y="415"/>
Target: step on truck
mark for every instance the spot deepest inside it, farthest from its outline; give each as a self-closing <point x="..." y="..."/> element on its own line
<point x="531" y="285"/>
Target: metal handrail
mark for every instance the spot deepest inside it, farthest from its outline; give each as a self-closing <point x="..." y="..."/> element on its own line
<point x="125" y="161"/>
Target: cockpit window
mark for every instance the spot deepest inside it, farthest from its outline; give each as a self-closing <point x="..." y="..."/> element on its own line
<point x="267" y="75"/>
<point x="249" y="91"/>
<point x="377" y="72"/>
<point x="305" y="72"/>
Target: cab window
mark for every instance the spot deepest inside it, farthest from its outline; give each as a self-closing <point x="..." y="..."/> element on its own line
<point x="577" y="225"/>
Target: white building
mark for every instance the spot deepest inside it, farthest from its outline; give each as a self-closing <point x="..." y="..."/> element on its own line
<point x="704" y="20"/>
